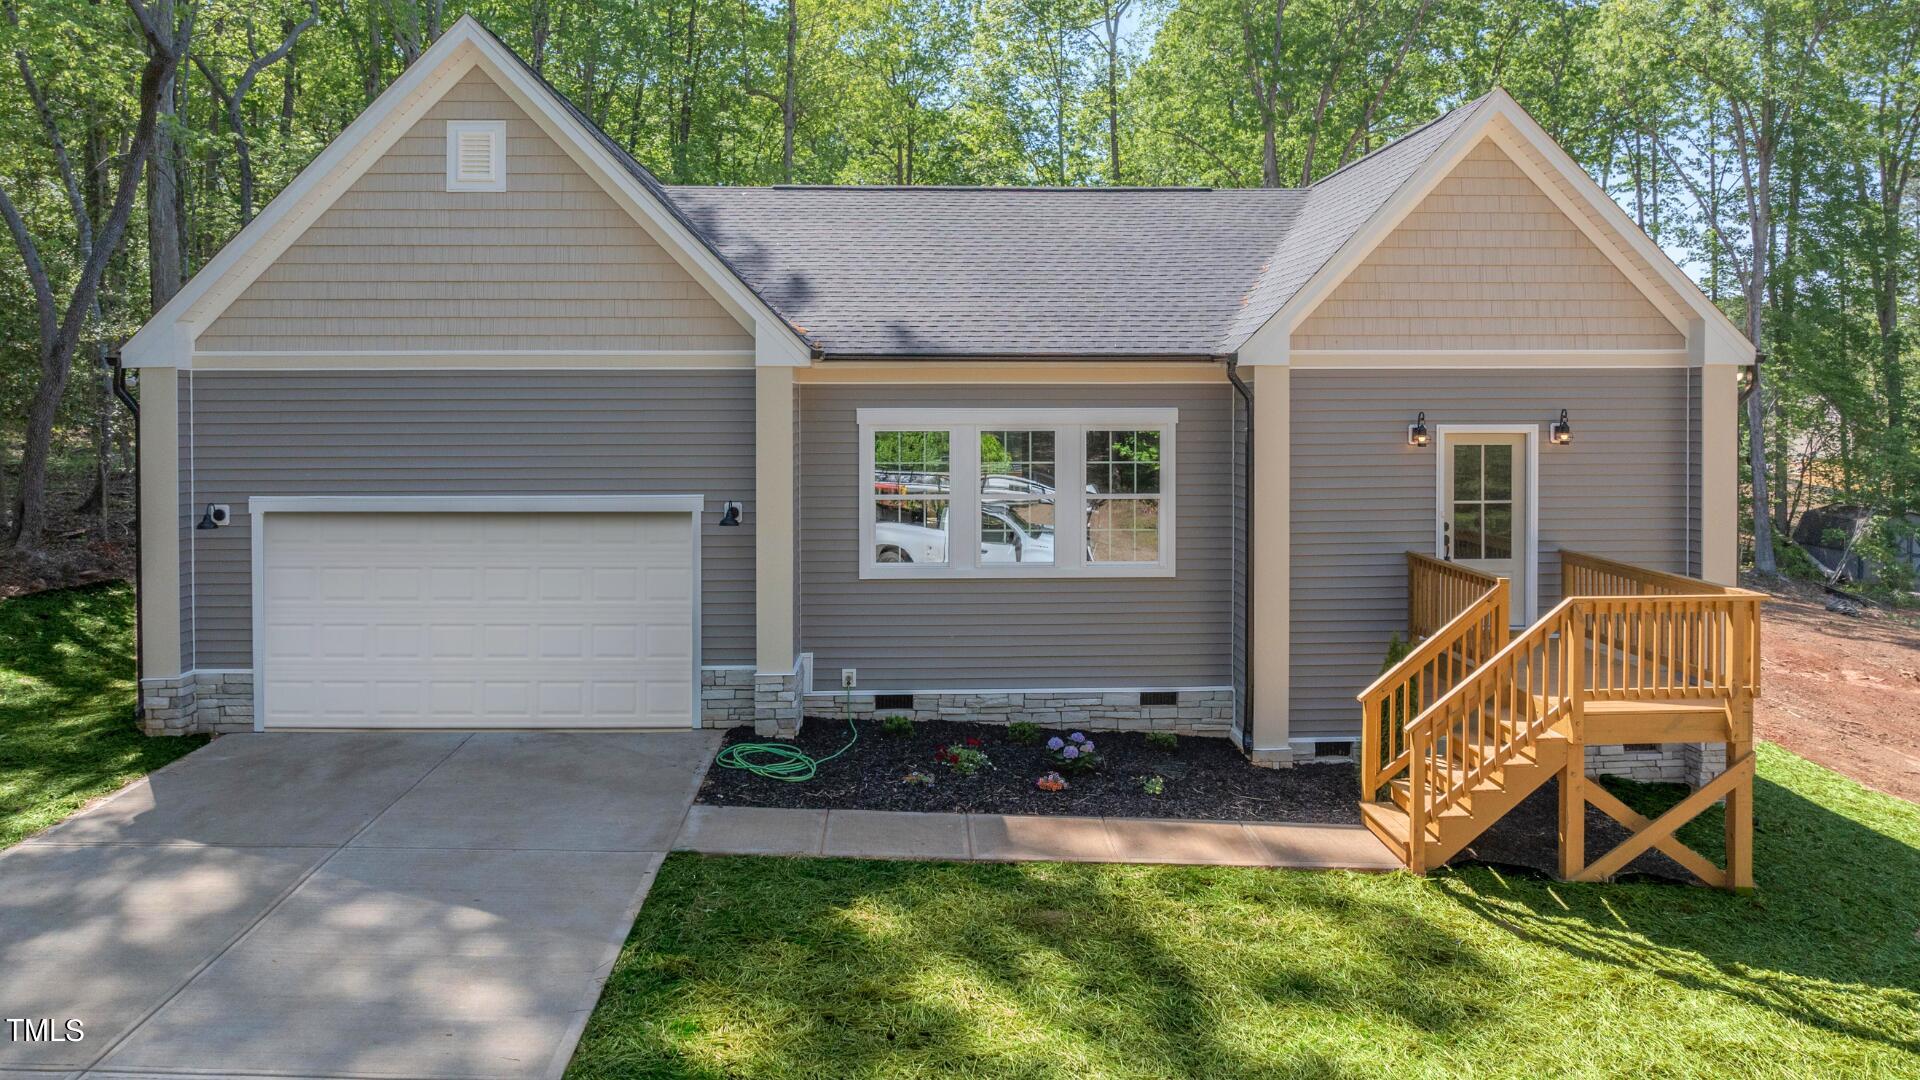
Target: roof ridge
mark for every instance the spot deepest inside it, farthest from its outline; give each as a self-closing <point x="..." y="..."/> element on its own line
<point x="1375" y="155"/>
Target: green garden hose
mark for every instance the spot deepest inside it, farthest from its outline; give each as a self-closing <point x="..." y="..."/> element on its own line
<point x="780" y="761"/>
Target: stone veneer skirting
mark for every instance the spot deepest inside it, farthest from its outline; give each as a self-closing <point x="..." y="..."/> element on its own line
<point x="221" y="702"/>
<point x="1196" y="712"/>
<point x="1685" y="763"/>
<point x="198" y="702"/>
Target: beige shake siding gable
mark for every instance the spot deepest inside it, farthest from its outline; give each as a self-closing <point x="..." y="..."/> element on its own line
<point x="399" y="263"/>
<point x="1487" y="261"/>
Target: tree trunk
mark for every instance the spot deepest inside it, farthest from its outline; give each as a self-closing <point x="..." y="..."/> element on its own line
<point x="788" y="100"/>
<point x="60" y="343"/>
<point x="165" y="235"/>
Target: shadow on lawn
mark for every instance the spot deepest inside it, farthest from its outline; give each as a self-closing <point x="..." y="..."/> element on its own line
<point x="868" y="969"/>
<point x="67" y="726"/>
<point x="1828" y="939"/>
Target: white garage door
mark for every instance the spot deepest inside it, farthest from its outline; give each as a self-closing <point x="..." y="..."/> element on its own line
<point x="498" y="620"/>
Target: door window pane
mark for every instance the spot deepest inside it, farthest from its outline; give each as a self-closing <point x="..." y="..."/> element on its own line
<point x="1466" y="531"/>
<point x="1017" y="496"/>
<point x="1497" y="535"/>
<point x="1466" y="471"/>
<point x="1499" y="471"/>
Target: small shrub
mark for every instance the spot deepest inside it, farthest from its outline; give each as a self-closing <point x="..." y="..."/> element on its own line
<point x="1397" y="651"/>
<point x="1052" y="781"/>
<point x="1075" y="753"/>
<point x="1163" y="740"/>
<point x="916" y="778"/>
<point x="963" y="758"/>
<point x="1153" y="785"/>
<point x="897" y="726"/>
<point x="1023" y="732"/>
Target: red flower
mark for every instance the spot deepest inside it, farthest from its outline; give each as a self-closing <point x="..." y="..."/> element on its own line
<point x="971" y="741"/>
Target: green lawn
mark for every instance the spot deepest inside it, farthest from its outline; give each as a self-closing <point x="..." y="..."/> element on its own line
<point x="743" y="967"/>
<point x="67" y="731"/>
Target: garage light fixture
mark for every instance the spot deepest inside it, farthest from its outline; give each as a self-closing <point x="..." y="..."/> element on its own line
<point x="731" y="514"/>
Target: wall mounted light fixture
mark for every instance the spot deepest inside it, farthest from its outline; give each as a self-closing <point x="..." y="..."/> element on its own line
<point x="1417" y="432"/>
<point x="217" y="514"/>
<point x="730" y="514"/>
<point x="1561" y="432"/>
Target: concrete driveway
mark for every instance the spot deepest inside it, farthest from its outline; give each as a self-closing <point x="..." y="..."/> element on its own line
<point x="341" y="905"/>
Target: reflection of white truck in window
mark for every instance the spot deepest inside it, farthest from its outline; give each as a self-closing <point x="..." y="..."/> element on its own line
<point x="1012" y="529"/>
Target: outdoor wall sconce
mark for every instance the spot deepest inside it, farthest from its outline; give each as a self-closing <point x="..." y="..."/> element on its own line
<point x="1561" y="432"/>
<point x="217" y="515"/>
<point x="730" y="514"/>
<point x="1417" y="432"/>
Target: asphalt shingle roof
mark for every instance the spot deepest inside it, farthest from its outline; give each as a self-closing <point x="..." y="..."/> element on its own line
<point x="937" y="271"/>
<point x="921" y="272"/>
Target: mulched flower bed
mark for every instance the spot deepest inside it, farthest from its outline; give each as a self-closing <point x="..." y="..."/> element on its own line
<point x="1202" y="778"/>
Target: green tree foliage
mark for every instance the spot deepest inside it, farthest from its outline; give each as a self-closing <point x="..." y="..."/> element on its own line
<point x="1769" y="145"/>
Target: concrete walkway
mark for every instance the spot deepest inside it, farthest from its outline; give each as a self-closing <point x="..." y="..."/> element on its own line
<point x="342" y="905"/>
<point x="876" y="834"/>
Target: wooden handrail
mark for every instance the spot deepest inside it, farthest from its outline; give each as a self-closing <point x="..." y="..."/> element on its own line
<point x="1438" y="591"/>
<point x="1474" y="628"/>
<point x="1594" y="575"/>
<point x="1639" y="635"/>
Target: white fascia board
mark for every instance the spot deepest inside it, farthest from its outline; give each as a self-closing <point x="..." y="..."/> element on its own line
<point x="166" y="340"/>
<point x="1271" y="344"/>
<point x="1722" y="341"/>
<point x="465" y="45"/>
<point x="1719" y="326"/>
<point x="688" y="249"/>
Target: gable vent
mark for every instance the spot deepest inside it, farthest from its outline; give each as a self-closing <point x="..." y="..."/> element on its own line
<point x="476" y="155"/>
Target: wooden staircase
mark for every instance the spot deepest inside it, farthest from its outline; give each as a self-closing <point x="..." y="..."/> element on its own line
<point x="1475" y="719"/>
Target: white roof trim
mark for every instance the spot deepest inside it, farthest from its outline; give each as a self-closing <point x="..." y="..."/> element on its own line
<point x="167" y="339"/>
<point x="1722" y="342"/>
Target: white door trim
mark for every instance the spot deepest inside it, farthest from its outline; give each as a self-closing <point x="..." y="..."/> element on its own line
<point x="259" y="506"/>
<point x="1530" y="603"/>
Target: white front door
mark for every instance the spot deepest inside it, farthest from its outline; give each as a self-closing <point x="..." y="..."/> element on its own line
<point x="1484" y="508"/>
<point x="477" y="620"/>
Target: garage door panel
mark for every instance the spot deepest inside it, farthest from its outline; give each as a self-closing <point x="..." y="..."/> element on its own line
<point x="478" y="620"/>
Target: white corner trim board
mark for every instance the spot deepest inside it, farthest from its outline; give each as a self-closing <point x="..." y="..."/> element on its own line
<point x="623" y="671"/>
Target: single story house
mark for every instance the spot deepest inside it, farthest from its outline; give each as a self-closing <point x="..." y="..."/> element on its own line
<point x="479" y="424"/>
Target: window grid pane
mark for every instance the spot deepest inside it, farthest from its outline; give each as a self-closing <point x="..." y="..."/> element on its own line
<point x="1017" y="496"/>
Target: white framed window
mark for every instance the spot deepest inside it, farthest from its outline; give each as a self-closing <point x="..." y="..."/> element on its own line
<point x="958" y="493"/>
<point x="476" y="155"/>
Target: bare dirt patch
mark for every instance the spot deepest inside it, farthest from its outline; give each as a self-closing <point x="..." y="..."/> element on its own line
<point x="1842" y="691"/>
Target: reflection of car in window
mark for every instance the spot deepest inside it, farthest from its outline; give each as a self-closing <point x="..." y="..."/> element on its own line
<point x="1005" y="537"/>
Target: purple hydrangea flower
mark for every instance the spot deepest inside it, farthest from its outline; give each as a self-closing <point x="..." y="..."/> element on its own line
<point x="1055" y="743"/>
<point x="1070" y="753"/>
<point x="1077" y="737"/>
<point x="1087" y="747"/>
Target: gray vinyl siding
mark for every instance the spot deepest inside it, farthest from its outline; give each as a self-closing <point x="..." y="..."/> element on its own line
<point x="464" y="433"/>
<point x="994" y="634"/>
<point x="1361" y="498"/>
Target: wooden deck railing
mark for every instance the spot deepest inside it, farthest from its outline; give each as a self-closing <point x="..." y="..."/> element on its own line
<point x="1457" y="617"/>
<point x="1655" y="635"/>
<point x="1455" y="711"/>
<point x="1438" y="590"/>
